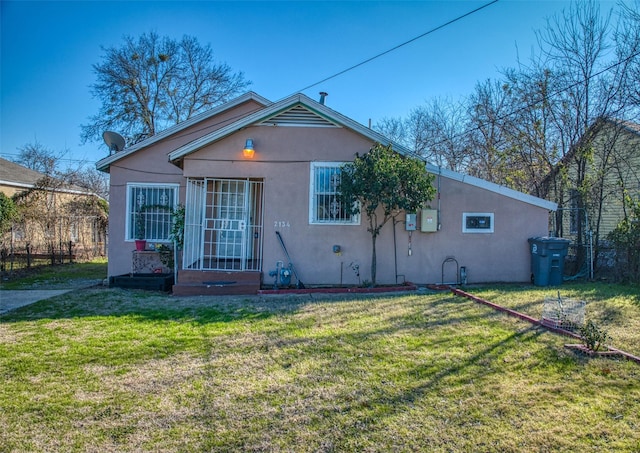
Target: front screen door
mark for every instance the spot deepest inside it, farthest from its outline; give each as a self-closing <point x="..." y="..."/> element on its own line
<point x="231" y="230"/>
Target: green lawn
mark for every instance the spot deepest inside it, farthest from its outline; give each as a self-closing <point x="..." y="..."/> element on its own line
<point x="60" y="276"/>
<point x="113" y="370"/>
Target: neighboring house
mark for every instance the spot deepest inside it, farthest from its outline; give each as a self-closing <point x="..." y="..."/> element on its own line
<point x="56" y="217"/>
<point x="591" y="183"/>
<point x="236" y="202"/>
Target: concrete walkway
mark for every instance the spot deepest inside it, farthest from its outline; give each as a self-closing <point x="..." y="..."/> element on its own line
<point x="10" y="299"/>
<point x="16" y="298"/>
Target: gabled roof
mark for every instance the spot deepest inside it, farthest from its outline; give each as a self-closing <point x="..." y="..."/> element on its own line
<point x="16" y="175"/>
<point x="592" y="131"/>
<point x="300" y="110"/>
<point x="596" y="127"/>
<point x="12" y="174"/>
<point x="630" y="126"/>
<point x="103" y="164"/>
<point x="297" y="109"/>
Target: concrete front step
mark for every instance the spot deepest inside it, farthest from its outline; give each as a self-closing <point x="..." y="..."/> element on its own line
<point x="194" y="283"/>
<point x="191" y="289"/>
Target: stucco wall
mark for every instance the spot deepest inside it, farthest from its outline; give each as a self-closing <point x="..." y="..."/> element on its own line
<point x="10" y="191"/>
<point x="282" y="159"/>
<point x="151" y="165"/>
<point x="146" y="166"/>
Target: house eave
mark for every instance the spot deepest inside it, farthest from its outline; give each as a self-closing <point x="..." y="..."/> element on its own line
<point x="277" y="108"/>
<point x="493" y="187"/>
<point x="103" y="164"/>
<point x="51" y="189"/>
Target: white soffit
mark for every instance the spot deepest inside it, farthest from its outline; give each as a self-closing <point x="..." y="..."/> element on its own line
<point x="103" y="164"/>
<point x="283" y="109"/>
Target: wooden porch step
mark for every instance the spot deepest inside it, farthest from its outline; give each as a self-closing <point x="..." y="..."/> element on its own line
<point x="194" y="283"/>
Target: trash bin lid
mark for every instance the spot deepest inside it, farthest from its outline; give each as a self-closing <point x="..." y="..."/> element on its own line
<point x="550" y="240"/>
<point x="550" y="243"/>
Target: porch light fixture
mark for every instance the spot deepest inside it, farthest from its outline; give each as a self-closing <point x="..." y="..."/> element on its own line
<point x="248" y="150"/>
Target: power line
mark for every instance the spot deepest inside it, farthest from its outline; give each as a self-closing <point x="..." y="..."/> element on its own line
<point x="66" y="159"/>
<point x="433" y="30"/>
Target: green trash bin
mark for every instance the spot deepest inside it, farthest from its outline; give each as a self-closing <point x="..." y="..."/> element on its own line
<point x="547" y="260"/>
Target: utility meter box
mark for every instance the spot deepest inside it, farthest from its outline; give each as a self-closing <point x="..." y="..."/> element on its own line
<point x="429" y="221"/>
<point x="410" y="224"/>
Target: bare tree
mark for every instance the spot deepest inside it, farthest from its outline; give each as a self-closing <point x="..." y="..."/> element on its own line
<point x="439" y="128"/>
<point x="578" y="46"/>
<point x="534" y="129"/>
<point x="154" y="82"/>
<point x="38" y="157"/>
<point x="394" y="129"/>
<point x="88" y="178"/>
<point x="434" y="131"/>
<point x="489" y="106"/>
<point x="627" y="39"/>
<point x="56" y="211"/>
<point x="533" y="142"/>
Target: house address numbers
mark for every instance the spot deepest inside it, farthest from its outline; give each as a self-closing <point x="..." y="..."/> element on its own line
<point x="281" y="224"/>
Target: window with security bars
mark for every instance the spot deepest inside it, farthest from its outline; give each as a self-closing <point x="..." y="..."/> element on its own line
<point x="150" y="208"/>
<point x="325" y="205"/>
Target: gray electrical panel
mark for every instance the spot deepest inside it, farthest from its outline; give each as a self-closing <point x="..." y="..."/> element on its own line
<point x="411" y="222"/>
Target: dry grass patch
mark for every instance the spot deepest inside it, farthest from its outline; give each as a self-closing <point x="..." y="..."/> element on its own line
<point x="112" y="370"/>
<point x="616" y="308"/>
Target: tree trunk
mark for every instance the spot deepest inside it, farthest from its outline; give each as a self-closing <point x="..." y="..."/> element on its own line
<point x="373" y="259"/>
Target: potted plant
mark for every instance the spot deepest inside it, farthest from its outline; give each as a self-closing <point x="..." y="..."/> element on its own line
<point x="139" y="231"/>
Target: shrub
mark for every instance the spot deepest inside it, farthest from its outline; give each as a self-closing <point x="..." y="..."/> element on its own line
<point x="626" y="240"/>
<point x="593" y="336"/>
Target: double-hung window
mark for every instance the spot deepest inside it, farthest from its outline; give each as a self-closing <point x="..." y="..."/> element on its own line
<point x="149" y="211"/>
<point x="325" y="206"/>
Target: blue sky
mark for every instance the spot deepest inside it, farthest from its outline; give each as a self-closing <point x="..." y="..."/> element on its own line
<point x="48" y="48"/>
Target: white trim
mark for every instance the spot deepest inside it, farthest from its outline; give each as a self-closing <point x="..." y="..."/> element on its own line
<point x="341" y="120"/>
<point x="103" y="164"/>
<point x="271" y="110"/>
<point x="17" y="184"/>
<point x="465" y="215"/>
<point x="51" y="189"/>
<point x="493" y="187"/>
<point x="276" y="109"/>
<point x="355" y="218"/>
<point x="154" y="185"/>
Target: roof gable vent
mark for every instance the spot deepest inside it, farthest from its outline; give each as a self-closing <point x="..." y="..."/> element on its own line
<point x="298" y="116"/>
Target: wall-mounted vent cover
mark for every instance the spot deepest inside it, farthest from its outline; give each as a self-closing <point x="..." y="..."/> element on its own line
<point x="299" y="116"/>
<point x="477" y="222"/>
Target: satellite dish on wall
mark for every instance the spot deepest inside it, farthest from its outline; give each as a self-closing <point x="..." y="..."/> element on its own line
<point x="114" y="141"/>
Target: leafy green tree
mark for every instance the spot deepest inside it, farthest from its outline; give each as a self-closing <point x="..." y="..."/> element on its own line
<point x="8" y="213"/>
<point x="383" y="184"/>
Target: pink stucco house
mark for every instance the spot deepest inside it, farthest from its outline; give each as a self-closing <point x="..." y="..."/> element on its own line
<point x="236" y="202"/>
